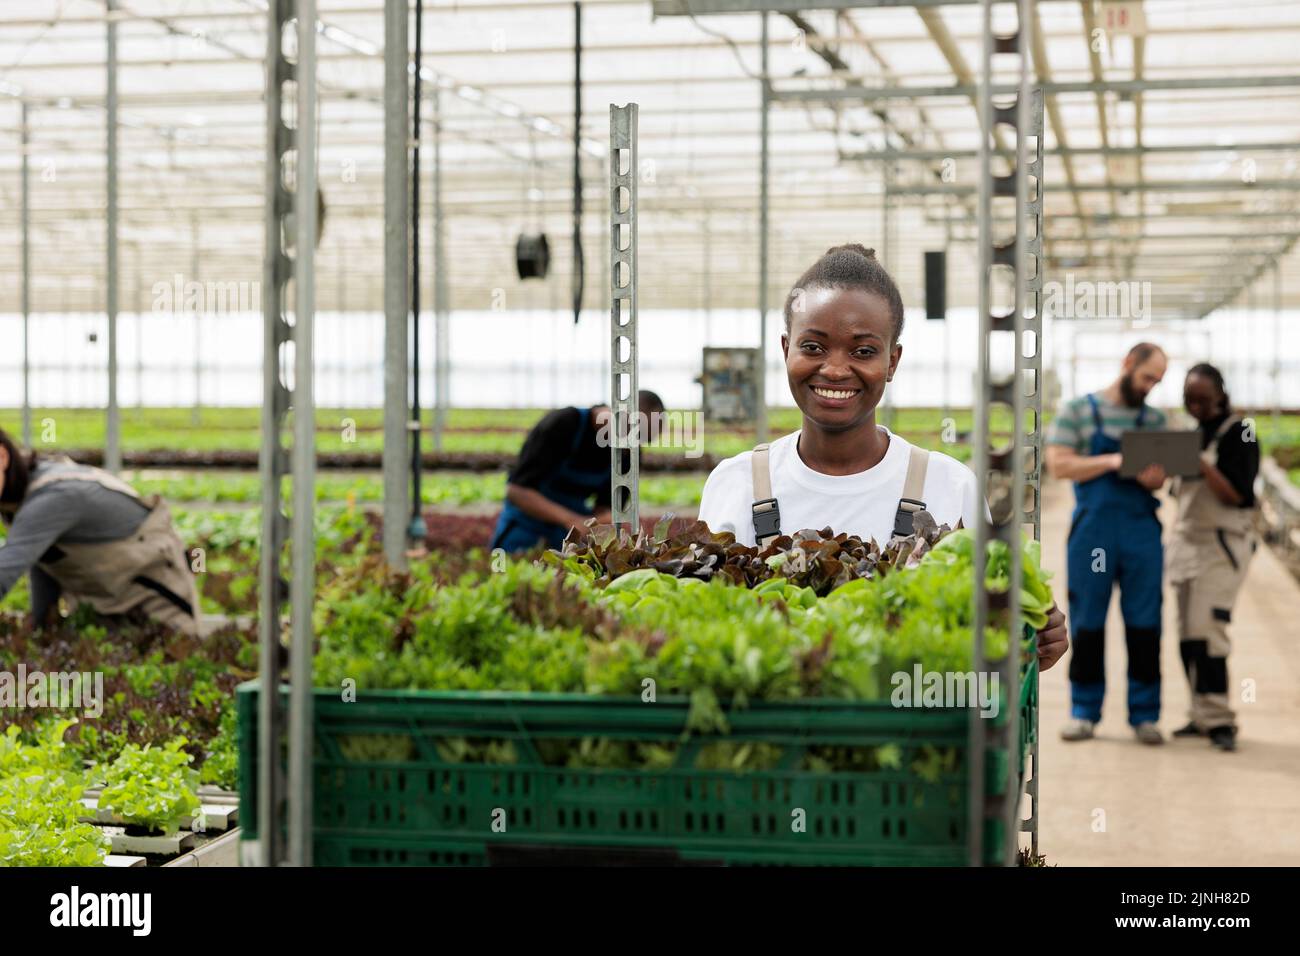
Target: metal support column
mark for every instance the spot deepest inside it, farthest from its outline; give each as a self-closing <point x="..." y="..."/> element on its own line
<point x="396" y="276"/>
<point x="139" y="332"/>
<point x="195" y="414"/>
<point x="947" y="251"/>
<point x="27" y="281"/>
<point x="441" y="331"/>
<point x="886" y="260"/>
<point x="993" y="822"/>
<point x="579" y="277"/>
<point x="416" y="530"/>
<point x="624" y="468"/>
<point x="1277" y="351"/>
<point x="281" y="339"/>
<point x="1241" y="343"/>
<point x="764" y="175"/>
<point x="707" y="233"/>
<point x="302" y="587"/>
<point x="113" y="424"/>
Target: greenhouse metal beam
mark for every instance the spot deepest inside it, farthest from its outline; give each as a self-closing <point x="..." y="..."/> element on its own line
<point x="396" y="267"/>
<point x="26" y="215"/>
<point x="577" y="276"/>
<point x="1053" y="107"/>
<point x="1182" y="236"/>
<point x="416" y="529"/>
<point x="686" y="8"/>
<point x="195" y="412"/>
<point x="1176" y="185"/>
<point x="441" y="324"/>
<point x="1277" y="348"/>
<point x="1105" y="217"/>
<point x="113" y="425"/>
<point x="1061" y="86"/>
<point x="929" y="155"/>
<point x="501" y="6"/>
<point x="1249" y="280"/>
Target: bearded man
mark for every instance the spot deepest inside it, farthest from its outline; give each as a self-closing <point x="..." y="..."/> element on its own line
<point x="1114" y="540"/>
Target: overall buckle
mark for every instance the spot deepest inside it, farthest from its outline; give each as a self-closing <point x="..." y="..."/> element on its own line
<point x="903" y="516"/>
<point x="767" y="522"/>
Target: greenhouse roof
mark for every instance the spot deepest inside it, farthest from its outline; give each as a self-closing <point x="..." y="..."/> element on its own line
<point x="1172" y="150"/>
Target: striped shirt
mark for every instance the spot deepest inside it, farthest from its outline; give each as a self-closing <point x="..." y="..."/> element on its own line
<point x="1074" y="426"/>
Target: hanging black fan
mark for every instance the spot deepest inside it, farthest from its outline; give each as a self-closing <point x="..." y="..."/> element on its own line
<point x="532" y="256"/>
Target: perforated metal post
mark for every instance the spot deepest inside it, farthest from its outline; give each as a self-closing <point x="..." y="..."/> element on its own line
<point x="625" y="436"/>
<point x="302" y="587"/>
<point x="282" y="208"/>
<point x="1029" y="369"/>
<point x="994" y="796"/>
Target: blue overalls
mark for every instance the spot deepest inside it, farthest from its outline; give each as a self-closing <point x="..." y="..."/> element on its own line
<point x="1114" y="538"/>
<point x="568" y="486"/>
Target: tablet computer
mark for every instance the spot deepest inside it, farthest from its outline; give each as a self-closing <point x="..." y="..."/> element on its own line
<point x="1178" y="451"/>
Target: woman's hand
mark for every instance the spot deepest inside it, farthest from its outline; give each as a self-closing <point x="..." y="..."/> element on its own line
<point x="1053" y="640"/>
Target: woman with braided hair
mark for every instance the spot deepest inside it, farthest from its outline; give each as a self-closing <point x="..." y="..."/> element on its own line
<point x="843" y="325"/>
<point x="1211" y="545"/>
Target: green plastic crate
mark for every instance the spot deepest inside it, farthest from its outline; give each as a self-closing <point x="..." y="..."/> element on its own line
<point x="418" y="809"/>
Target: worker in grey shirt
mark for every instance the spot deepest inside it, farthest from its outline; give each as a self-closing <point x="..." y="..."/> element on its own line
<point x="86" y="535"/>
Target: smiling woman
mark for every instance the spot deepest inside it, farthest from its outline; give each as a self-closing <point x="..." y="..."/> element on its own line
<point x="843" y="323"/>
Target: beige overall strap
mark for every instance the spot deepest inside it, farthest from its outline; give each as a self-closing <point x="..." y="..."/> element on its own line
<point x="913" y="488"/>
<point x="100" y="477"/>
<point x="767" y="515"/>
<point x="1227" y="423"/>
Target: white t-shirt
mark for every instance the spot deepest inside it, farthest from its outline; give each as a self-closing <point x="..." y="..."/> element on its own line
<point x="863" y="504"/>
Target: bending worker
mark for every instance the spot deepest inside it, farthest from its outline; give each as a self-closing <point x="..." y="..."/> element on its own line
<point x="1212" y="543"/>
<point x="1114" y="539"/>
<point x="565" y="461"/>
<point x="88" y="536"/>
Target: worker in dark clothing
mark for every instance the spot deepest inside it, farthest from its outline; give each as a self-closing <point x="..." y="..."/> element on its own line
<point x="1212" y="543"/>
<point x="565" y="462"/>
<point x="87" y="536"/>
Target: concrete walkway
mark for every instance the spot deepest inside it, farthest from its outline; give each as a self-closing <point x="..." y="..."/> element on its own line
<point x="1114" y="802"/>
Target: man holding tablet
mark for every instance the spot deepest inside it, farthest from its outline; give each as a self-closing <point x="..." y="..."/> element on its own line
<point x="1114" y="539"/>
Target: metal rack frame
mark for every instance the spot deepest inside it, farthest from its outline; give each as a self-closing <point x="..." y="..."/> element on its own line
<point x="625" y="435"/>
<point x="285" y="215"/>
<point x="1014" y="471"/>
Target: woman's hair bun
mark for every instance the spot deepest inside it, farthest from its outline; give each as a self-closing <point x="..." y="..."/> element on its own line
<point x="853" y="247"/>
